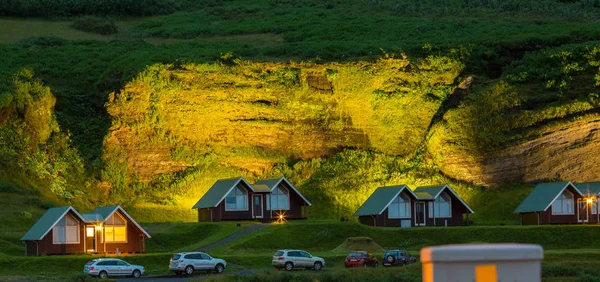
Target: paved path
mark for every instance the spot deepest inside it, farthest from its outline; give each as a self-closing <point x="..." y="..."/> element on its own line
<point x="233" y="237"/>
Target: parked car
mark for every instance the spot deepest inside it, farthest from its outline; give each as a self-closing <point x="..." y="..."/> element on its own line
<point x="397" y="257"/>
<point x="195" y="261"/>
<point x="110" y="267"/>
<point x="290" y="259"/>
<point x="355" y="259"/>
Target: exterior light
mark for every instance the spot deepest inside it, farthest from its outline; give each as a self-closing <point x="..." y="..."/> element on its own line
<point x="98" y="227"/>
<point x="590" y="200"/>
<point x="280" y="217"/>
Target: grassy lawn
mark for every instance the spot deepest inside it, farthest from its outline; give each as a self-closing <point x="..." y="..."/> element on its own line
<point x="324" y="236"/>
<point x="181" y="237"/>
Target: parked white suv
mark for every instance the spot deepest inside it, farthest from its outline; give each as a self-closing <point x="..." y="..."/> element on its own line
<point x="290" y="259"/>
<point x="109" y="267"/>
<point x="195" y="261"/>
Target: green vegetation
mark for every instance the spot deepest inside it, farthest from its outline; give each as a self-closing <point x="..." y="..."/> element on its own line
<point x="340" y="97"/>
<point x="402" y="274"/>
<point x="326" y="236"/>
<point x="95" y="25"/>
<point x="69" y="8"/>
<point x="180" y="237"/>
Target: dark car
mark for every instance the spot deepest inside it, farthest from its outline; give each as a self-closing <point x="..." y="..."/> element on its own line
<point x="364" y="259"/>
<point x="397" y="257"/>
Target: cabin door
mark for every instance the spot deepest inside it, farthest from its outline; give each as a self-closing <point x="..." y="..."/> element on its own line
<point x="258" y="206"/>
<point x="90" y="239"/>
<point x="420" y="214"/>
<point x="582" y="210"/>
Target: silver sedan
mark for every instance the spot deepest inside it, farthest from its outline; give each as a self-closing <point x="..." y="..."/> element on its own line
<point x="110" y="267"/>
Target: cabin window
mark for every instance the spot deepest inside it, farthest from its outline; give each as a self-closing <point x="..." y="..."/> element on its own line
<point x="595" y="206"/>
<point x="236" y="200"/>
<point x="441" y="207"/>
<point x="115" y="229"/>
<point x="66" y="231"/>
<point x="564" y="204"/>
<point x="279" y="199"/>
<point x="400" y="207"/>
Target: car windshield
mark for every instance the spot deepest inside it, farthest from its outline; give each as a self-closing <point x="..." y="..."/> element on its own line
<point x="279" y="253"/>
<point x="176" y="256"/>
<point x="355" y="255"/>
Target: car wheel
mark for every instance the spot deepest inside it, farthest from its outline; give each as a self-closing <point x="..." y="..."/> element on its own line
<point x="289" y="266"/>
<point x="318" y="265"/>
<point x="103" y="275"/>
<point x="219" y="268"/>
<point x="390" y="259"/>
<point x="136" y="274"/>
<point x="189" y="270"/>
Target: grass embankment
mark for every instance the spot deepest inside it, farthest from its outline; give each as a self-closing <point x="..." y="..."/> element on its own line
<point x="185" y="237"/>
<point x="325" y="236"/>
<point x="19" y="212"/>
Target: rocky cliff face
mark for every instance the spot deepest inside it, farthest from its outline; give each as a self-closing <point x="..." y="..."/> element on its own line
<point x="568" y="151"/>
<point x="254" y="115"/>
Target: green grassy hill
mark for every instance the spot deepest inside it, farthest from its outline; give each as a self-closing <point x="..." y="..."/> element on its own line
<point x="340" y="97"/>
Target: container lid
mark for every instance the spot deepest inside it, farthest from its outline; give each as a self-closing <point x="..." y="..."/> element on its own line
<point x="482" y="252"/>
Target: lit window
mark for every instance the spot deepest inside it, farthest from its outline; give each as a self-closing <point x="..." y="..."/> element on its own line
<point x="400" y="207"/>
<point x="279" y="199"/>
<point x="237" y="199"/>
<point x="441" y="207"/>
<point x="564" y="204"/>
<point x="115" y="229"/>
<point x="66" y="231"/>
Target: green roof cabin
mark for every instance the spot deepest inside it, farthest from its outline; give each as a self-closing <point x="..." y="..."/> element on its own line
<point x="400" y="206"/>
<point x="63" y="230"/>
<point x="236" y="199"/>
<point x="560" y="203"/>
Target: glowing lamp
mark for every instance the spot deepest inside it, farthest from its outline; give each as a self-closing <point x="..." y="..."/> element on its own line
<point x="98" y="227"/>
<point x="590" y="200"/>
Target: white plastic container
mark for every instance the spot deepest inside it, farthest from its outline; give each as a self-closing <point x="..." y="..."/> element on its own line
<point x="482" y="263"/>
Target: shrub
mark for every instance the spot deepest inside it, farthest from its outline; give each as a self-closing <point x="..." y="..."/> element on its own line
<point x="95" y="25"/>
<point x="8" y="187"/>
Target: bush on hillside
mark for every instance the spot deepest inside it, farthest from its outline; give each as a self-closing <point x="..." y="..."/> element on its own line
<point x="95" y="25"/>
<point x="8" y="187"/>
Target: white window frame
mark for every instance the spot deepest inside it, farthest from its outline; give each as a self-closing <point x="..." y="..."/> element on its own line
<point x="284" y="191"/>
<point x="55" y="239"/>
<point x="434" y="206"/>
<point x="234" y="193"/>
<point x="406" y="202"/>
<point x="595" y="206"/>
<point x="563" y="199"/>
<point x="112" y="225"/>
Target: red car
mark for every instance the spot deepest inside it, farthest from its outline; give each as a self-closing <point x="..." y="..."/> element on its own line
<point x="364" y="259"/>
